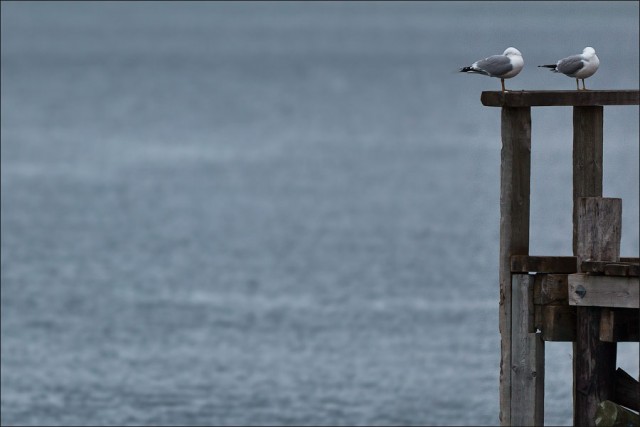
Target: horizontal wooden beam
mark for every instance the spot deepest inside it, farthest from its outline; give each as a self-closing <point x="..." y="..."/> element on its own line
<point x="543" y="264"/>
<point x="634" y="265"/>
<point x="619" y="324"/>
<point x="543" y="98"/>
<point x="603" y="291"/>
<point x="627" y="268"/>
<point x="558" y="323"/>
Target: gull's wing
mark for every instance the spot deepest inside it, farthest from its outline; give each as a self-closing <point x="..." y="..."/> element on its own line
<point x="570" y="65"/>
<point x="494" y="66"/>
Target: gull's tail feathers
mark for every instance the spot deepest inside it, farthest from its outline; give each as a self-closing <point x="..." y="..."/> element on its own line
<point x="473" y="70"/>
<point x="551" y="66"/>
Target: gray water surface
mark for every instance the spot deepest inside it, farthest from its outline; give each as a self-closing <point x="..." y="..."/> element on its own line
<point x="279" y="213"/>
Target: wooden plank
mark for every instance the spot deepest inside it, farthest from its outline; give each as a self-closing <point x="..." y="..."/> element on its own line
<point x="593" y="267"/>
<point x="598" y="232"/>
<point x="551" y="289"/>
<point x="586" y="290"/>
<point x="610" y="268"/>
<point x="527" y="359"/>
<point x="597" y="223"/>
<point x="627" y="390"/>
<point x="587" y="162"/>
<point x="543" y="264"/>
<point x="618" y="325"/>
<point x="540" y="98"/>
<point x="558" y="323"/>
<point x="594" y="366"/>
<point x="616" y="269"/>
<point x="515" y="175"/>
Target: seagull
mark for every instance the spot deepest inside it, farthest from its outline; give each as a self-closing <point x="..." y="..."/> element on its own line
<point x="504" y="66"/>
<point x="577" y="66"/>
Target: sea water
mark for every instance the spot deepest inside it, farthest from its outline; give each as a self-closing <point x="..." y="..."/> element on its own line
<point x="280" y="213"/>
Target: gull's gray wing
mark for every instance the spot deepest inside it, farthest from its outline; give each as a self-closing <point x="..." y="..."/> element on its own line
<point x="494" y="66"/>
<point x="570" y="65"/>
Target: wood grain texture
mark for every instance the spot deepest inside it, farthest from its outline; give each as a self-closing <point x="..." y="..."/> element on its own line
<point x="617" y="325"/>
<point x="527" y="359"/>
<point x="551" y="289"/>
<point x="598" y="228"/>
<point x="543" y="264"/>
<point x="558" y="323"/>
<point x="539" y="98"/>
<point x="597" y="223"/>
<point x="586" y="290"/>
<point x="515" y="175"/>
<point x="587" y="157"/>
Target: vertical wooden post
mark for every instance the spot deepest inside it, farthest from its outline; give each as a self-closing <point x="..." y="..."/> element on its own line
<point x="515" y="176"/>
<point x="527" y="357"/>
<point x="587" y="157"/>
<point x="587" y="350"/>
<point x="598" y="238"/>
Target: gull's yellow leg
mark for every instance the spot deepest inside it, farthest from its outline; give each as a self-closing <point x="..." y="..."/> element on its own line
<point x="502" y="81"/>
<point x="583" y="85"/>
<point x="578" y="84"/>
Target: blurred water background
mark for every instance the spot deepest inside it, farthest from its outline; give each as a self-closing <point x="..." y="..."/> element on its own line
<point x="280" y="213"/>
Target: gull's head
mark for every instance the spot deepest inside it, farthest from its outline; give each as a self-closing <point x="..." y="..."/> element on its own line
<point x="588" y="52"/>
<point x="512" y="51"/>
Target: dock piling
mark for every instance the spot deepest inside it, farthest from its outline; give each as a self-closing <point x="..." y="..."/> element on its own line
<point x="535" y="300"/>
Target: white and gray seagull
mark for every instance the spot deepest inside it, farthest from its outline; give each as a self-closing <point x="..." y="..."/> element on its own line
<point x="577" y="66"/>
<point x="504" y="66"/>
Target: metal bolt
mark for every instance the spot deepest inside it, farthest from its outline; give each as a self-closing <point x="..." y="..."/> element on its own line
<point x="581" y="291"/>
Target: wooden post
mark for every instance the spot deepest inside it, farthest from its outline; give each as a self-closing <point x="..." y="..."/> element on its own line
<point x="527" y="357"/>
<point x="514" y="240"/>
<point x="515" y="175"/>
<point x="594" y="362"/>
<point x="587" y="182"/>
<point x="587" y="157"/>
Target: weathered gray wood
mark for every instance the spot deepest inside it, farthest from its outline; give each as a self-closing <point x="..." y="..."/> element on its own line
<point x="598" y="228"/>
<point x="551" y="289"/>
<point x="586" y="290"/>
<point x="527" y="358"/>
<point x="596" y="237"/>
<point x="543" y="264"/>
<point x="627" y="390"/>
<point x="610" y="268"/>
<point x="616" y="269"/>
<point x="587" y="158"/>
<point x="538" y="98"/>
<point x="515" y="174"/>
<point x="594" y="366"/>
<point x="553" y="316"/>
<point x="617" y="325"/>
<point x="608" y="414"/>
<point x="557" y="323"/>
<point x="587" y="182"/>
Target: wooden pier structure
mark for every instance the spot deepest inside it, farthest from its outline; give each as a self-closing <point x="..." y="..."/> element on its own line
<point x="590" y="298"/>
